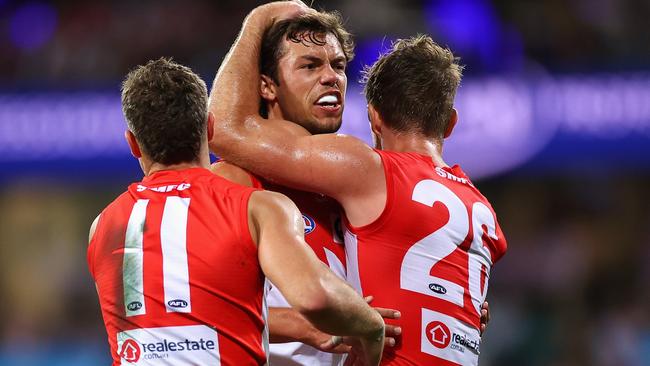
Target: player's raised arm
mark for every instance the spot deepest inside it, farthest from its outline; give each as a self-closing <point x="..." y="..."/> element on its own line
<point x="279" y="150"/>
<point x="308" y="285"/>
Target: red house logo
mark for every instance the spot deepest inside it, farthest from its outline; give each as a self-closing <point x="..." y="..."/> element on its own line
<point x="438" y="334"/>
<point x="130" y="351"/>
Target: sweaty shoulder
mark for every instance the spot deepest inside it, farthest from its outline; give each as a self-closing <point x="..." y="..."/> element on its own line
<point x="263" y="203"/>
<point x="232" y="173"/>
<point x="267" y="207"/>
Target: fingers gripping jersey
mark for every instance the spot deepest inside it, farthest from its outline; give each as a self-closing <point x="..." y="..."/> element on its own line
<point x="177" y="273"/>
<point x="428" y="255"/>
<point x="322" y="226"/>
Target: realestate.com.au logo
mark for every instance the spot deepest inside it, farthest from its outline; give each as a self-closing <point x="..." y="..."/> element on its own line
<point x="132" y="351"/>
<point x="440" y="336"/>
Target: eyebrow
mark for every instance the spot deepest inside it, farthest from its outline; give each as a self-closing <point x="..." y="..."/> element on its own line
<point x="318" y="59"/>
<point x="311" y="58"/>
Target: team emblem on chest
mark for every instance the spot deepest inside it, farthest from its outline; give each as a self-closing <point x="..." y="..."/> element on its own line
<point x="310" y="224"/>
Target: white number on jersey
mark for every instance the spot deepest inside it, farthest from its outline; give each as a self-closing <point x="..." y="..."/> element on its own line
<point x="173" y="241"/>
<point x="426" y="253"/>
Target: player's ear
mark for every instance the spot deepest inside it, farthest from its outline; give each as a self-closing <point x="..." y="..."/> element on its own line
<point x="453" y="119"/>
<point x="210" y="126"/>
<point x="376" y="122"/>
<point x="267" y="88"/>
<point x="133" y="144"/>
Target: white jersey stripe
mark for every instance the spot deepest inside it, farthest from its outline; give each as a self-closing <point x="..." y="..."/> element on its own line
<point x="173" y="240"/>
<point x="265" y="317"/>
<point x="352" y="260"/>
<point x="132" y="269"/>
<point x="335" y="264"/>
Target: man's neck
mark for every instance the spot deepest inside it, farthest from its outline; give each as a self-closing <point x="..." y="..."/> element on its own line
<point x="202" y="161"/>
<point x="157" y="167"/>
<point x="414" y="143"/>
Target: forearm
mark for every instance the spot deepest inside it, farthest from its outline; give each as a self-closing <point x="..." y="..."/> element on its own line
<point x="235" y="91"/>
<point x="345" y="312"/>
<point x="287" y="325"/>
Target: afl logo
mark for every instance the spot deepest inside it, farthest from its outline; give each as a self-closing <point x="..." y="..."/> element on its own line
<point x="177" y="303"/>
<point x="439" y="289"/>
<point x="310" y="224"/>
<point x="135" y="305"/>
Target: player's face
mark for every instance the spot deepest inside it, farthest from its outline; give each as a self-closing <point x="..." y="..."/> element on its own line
<point x="312" y="84"/>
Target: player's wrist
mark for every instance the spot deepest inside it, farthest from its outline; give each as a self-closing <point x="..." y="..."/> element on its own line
<point x="373" y="345"/>
<point x="310" y="335"/>
<point x="265" y="15"/>
<point x="258" y="19"/>
<point x="377" y="331"/>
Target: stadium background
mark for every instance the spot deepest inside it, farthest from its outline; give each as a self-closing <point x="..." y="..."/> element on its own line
<point x="554" y="128"/>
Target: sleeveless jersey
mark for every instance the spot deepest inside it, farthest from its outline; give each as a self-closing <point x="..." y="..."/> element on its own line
<point x="428" y="255"/>
<point x="322" y="225"/>
<point x="177" y="273"/>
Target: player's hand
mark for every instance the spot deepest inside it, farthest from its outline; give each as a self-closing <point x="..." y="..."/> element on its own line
<point x="485" y="316"/>
<point x="364" y="352"/>
<point x="328" y="343"/>
<point x="391" y="331"/>
<point x="336" y="344"/>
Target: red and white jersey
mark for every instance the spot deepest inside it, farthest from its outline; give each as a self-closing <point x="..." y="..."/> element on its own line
<point x="177" y="273"/>
<point x="429" y="256"/>
<point x="322" y="216"/>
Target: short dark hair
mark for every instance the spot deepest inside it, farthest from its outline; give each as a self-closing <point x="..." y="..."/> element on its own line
<point x="309" y="28"/>
<point x="165" y="105"/>
<point x="413" y="86"/>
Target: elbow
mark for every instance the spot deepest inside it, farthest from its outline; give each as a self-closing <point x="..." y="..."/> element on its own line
<point x="224" y="134"/>
<point x="229" y="131"/>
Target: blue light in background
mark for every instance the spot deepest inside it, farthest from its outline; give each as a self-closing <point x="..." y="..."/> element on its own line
<point x="367" y="51"/>
<point x="473" y="30"/>
<point x="32" y="25"/>
<point x="504" y="123"/>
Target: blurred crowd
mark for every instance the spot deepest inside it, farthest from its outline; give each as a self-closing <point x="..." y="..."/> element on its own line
<point x="94" y="43"/>
<point x="573" y="287"/>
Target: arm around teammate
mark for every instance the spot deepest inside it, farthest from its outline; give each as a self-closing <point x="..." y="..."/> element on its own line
<point x="309" y="286"/>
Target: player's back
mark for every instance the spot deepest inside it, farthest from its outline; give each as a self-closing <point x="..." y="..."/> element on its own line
<point x="428" y="255"/>
<point x="177" y="273"/>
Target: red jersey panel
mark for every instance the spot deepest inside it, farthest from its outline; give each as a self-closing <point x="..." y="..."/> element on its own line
<point x="322" y="216"/>
<point x="428" y="255"/>
<point x="177" y="273"/>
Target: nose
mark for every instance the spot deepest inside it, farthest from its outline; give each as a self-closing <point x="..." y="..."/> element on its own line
<point x="329" y="76"/>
